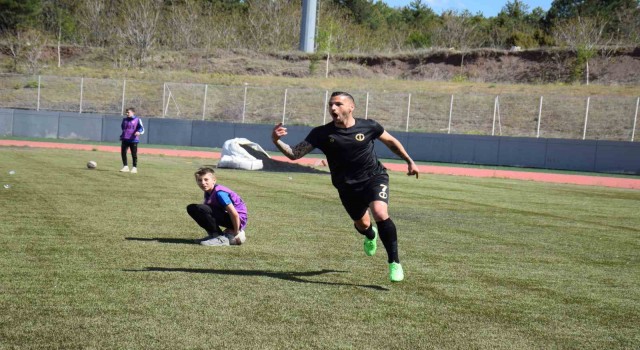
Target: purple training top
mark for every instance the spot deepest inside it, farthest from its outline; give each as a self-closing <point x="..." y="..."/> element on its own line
<point x="129" y="127"/>
<point x="222" y="196"/>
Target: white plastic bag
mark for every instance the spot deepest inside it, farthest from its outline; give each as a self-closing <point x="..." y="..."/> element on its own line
<point x="234" y="156"/>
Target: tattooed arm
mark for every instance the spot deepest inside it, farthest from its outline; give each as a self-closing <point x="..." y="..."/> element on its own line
<point x="298" y="151"/>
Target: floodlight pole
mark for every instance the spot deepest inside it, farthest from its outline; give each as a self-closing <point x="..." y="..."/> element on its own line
<point x="308" y="26"/>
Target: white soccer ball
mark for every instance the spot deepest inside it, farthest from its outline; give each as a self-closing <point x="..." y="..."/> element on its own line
<point x="235" y="240"/>
<point x="92" y="164"/>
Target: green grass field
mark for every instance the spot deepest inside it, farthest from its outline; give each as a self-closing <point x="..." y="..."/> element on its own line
<point x="97" y="259"/>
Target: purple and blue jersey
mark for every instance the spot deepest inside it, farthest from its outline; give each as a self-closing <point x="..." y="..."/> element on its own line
<point x="221" y="197"/>
<point x="129" y="128"/>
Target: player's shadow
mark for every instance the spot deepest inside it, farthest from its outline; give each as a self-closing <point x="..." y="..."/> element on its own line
<point x="162" y="240"/>
<point x="287" y="276"/>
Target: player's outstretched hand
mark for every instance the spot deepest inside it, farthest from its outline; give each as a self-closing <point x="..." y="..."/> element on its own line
<point x="278" y="132"/>
<point x="413" y="170"/>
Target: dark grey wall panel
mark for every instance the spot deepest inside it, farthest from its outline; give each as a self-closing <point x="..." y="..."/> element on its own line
<point x="432" y="147"/>
<point x="169" y="131"/>
<point x="474" y="149"/>
<point x="384" y="152"/>
<point x="77" y="126"/>
<point x="261" y="134"/>
<point x="112" y="128"/>
<point x="522" y="151"/>
<point x="6" y="122"/>
<point x="28" y="123"/>
<point x="211" y="134"/>
<point x="618" y="157"/>
<point x="578" y="155"/>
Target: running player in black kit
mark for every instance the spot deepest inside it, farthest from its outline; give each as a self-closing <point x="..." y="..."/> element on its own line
<point x="361" y="180"/>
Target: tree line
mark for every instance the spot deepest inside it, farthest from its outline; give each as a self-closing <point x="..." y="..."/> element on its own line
<point x="130" y="30"/>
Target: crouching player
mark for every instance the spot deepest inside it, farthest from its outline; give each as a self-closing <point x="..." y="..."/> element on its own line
<point x="221" y="207"/>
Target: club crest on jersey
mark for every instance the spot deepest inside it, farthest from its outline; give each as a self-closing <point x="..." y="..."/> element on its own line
<point x="331" y="139"/>
<point x="360" y="137"/>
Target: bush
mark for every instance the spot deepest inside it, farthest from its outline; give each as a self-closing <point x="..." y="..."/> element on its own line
<point x="523" y="40"/>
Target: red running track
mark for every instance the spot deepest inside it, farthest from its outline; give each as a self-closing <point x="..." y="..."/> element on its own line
<point x="605" y="181"/>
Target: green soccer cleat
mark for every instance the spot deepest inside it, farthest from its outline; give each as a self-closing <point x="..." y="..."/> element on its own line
<point x="370" y="245"/>
<point x="395" y="272"/>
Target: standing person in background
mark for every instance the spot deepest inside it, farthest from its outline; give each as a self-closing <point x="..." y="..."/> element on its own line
<point x="132" y="128"/>
<point x="361" y="180"/>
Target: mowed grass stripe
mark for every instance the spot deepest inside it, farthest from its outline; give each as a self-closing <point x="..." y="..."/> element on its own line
<point x="101" y="259"/>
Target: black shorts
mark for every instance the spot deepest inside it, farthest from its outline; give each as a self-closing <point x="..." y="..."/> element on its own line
<point x="356" y="199"/>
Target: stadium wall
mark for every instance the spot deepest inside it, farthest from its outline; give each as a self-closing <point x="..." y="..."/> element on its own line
<point x="544" y="153"/>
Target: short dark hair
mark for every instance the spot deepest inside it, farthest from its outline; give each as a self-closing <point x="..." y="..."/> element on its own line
<point x="342" y="93"/>
<point x="204" y="171"/>
<point x="131" y="109"/>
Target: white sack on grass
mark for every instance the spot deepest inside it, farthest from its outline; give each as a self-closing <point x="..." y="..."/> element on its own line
<point x="234" y="156"/>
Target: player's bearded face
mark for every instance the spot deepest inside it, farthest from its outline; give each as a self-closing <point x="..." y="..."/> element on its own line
<point x="341" y="108"/>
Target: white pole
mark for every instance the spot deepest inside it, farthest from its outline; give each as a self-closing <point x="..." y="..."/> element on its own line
<point x="38" y="107"/>
<point x="366" y="107"/>
<point x="204" y="102"/>
<point x="326" y="69"/>
<point x="586" y="119"/>
<point x="244" y="104"/>
<point x="81" y="90"/>
<point x="164" y="94"/>
<point x="326" y="101"/>
<point x="166" y="107"/>
<point x="124" y="88"/>
<point x="495" y="104"/>
<point x="284" y="107"/>
<point x="539" y="117"/>
<point x="450" y="115"/>
<point x="635" y="119"/>
<point x="408" y="112"/>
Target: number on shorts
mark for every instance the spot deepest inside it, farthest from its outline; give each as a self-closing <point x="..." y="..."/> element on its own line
<point x="383" y="193"/>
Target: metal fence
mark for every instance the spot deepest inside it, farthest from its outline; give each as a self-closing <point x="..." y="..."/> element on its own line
<point x="595" y="117"/>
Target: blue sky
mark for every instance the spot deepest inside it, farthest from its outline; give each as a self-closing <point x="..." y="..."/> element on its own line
<point x="489" y="8"/>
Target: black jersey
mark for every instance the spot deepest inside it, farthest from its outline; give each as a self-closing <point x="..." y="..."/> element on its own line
<point x="350" y="152"/>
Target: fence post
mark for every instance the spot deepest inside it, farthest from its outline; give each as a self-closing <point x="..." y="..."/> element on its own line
<point x="408" y="112"/>
<point x="81" y="91"/>
<point x="124" y="87"/>
<point x="204" y="102"/>
<point x="244" y="103"/>
<point x="284" y="107"/>
<point x="635" y="119"/>
<point x="326" y="100"/>
<point x="366" y="107"/>
<point x="450" y="115"/>
<point x="495" y="106"/>
<point x="164" y="97"/>
<point x="586" y="119"/>
<point x="539" y="117"/>
<point x="38" y="106"/>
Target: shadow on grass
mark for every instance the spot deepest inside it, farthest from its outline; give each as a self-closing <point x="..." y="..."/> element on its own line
<point x="287" y="276"/>
<point x="162" y="240"/>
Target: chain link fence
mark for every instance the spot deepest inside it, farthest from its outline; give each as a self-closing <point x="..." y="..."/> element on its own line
<point x="595" y="118"/>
